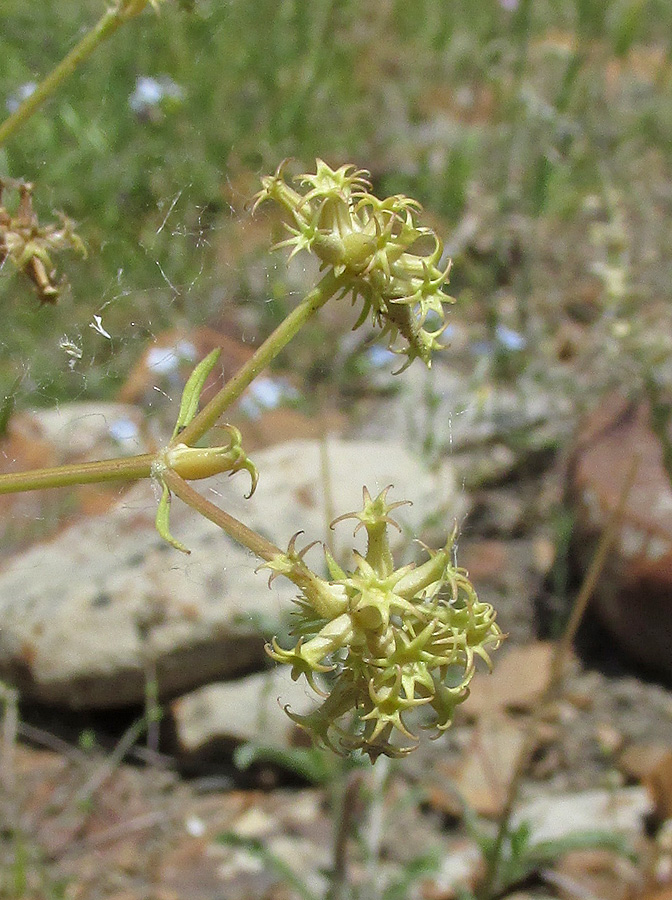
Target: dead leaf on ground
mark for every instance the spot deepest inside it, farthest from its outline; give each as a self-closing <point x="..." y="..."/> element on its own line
<point x="483" y="775"/>
<point x="521" y="677"/>
<point x="658" y="782"/>
<point x="655" y="894"/>
<point x="594" y="873"/>
<point x="274" y="426"/>
<point x="638" y="760"/>
<point x="651" y="765"/>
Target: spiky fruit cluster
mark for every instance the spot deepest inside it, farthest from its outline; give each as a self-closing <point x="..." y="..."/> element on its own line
<point x="384" y="641"/>
<point x="28" y="245"/>
<point x="368" y="243"/>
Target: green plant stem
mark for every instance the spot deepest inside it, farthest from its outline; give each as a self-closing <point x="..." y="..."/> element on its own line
<point x="135" y="467"/>
<point x="345" y="800"/>
<point x="124" y="468"/>
<point x="490" y="886"/>
<point x="376" y="780"/>
<point x="113" y="19"/>
<point x="299" y="573"/>
<point x="261" y="547"/>
<point x="9" y="729"/>
<point x="266" y="353"/>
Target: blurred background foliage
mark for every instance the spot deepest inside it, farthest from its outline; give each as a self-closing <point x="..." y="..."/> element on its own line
<point x="537" y="134"/>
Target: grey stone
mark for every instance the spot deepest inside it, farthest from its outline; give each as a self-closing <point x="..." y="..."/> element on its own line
<point x="91" y="430"/>
<point x="489" y="431"/>
<point x="247" y="709"/>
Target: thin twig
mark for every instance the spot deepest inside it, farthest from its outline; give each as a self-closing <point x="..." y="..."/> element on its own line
<point x="112" y="762"/>
<point x="343" y="824"/>
<point x="262" y="358"/>
<point x="121" y="829"/>
<point x="52" y="742"/>
<point x="79" y="800"/>
<point x="374" y="831"/>
<point x="558" y="662"/>
<point x="9" y="697"/>
<point x="111" y="20"/>
<point x="152" y="705"/>
<point x="327" y="492"/>
<point x="10" y="728"/>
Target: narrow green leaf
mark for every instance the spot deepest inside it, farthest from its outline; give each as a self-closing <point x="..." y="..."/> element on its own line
<point x="520" y="840"/>
<point x="192" y="391"/>
<point x="310" y="763"/>
<point x="515" y="869"/>
<point x="627" y="27"/>
<point x="545" y="852"/>
<point x="163" y="521"/>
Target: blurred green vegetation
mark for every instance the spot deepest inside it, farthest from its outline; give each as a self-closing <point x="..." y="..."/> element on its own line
<point x="513" y="112"/>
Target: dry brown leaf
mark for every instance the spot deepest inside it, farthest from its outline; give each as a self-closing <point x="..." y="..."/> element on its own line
<point x="484" y="560"/>
<point x="274" y="426"/>
<point x="482" y="776"/>
<point x="638" y="760"/>
<point x="658" y="782"/>
<point x="520" y="680"/>
<point x="596" y="873"/>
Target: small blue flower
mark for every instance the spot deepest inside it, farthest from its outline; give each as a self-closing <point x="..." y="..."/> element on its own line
<point x="379" y="357"/>
<point x="14" y="102"/>
<point x="510" y="339"/>
<point x="150" y="92"/>
<point x="124" y="431"/>
<point x="267" y="393"/>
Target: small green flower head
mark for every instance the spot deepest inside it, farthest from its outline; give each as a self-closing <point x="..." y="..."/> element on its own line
<point x="385" y="641"/>
<point x="370" y="244"/>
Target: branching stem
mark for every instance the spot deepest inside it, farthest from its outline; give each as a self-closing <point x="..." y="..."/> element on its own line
<point x="125" y="468"/>
<point x="266" y="353"/>
<point x="136" y="467"/>
<point x="261" y="547"/>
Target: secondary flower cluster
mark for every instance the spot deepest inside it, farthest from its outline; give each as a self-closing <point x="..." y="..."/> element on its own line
<point x="385" y="641"/>
<point x="28" y="244"/>
<point x="368" y="243"/>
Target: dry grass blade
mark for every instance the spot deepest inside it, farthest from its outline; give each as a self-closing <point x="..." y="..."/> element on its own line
<point x="560" y="655"/>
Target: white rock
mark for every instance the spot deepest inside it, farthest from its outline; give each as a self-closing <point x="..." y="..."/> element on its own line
<point x="553" y="818"/>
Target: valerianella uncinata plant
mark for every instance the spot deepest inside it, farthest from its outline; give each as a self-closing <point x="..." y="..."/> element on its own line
<point x="368" y="243"/>
<point x="382" y="646"/>
<point x="383" y="641"/>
